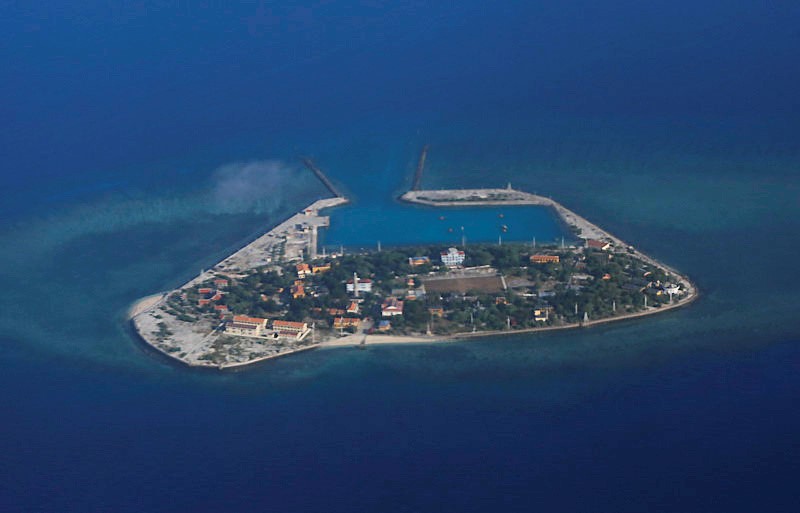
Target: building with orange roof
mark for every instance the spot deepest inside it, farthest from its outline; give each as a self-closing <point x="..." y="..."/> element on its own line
<point x="391" y="307"/>
<point x="317" y="269"/>
<point x="246" y="326"/>
<point x="418" y="261"/>
<point x="436" y="311"/>
<point x="303" y="270"/>
<point x="290" y="329"/>
<point x="346" y="322"/>
<point x="298" y="290"/>
<point x="598" y="244"/>
<point x="545" y="259"/>
<point x="542" y="314"/>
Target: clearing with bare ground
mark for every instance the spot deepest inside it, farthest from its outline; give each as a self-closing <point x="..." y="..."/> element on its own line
<point x="463" y="284"/>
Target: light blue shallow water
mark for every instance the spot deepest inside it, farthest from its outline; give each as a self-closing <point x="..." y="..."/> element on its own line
<point x="128" y="167"/>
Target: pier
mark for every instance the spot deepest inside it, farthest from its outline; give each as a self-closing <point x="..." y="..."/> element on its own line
<point x="420" y="167"/>
<point x="322" y="178"/>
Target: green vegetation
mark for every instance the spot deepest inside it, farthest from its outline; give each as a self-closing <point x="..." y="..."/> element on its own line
<point x="583" y="283"/>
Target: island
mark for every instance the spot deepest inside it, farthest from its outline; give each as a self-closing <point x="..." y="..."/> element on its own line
<point x="279" y="295"/>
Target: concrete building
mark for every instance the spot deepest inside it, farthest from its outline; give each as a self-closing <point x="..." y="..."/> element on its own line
<point x="418" y="260"/>
<point x="453" y="257"/>
<point x="358" y="285"/>
<point x="598" y="244"/>
<point x="303" y="270"/>
<point x="391" y="307"/>
<point x="341" y="323"/>
<point x="245" y="326"/>
<point x="298" y="290"/>
<point x="290" y="329"/>
<point x="545" y="259"/>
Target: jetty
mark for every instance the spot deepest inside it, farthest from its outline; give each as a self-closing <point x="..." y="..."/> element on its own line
<point x="420" y="168"/>
<point x="322" y="178"/>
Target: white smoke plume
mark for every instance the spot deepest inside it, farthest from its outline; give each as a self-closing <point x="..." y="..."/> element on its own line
<point x="258" y="185"/>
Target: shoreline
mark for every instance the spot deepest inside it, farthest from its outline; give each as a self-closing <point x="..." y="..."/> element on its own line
<point x="251" y="255"/>
<point x="246" y="257"/>
<point x="360" y="340"/>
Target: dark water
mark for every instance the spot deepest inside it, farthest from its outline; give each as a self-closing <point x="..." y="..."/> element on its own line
<point x="143" y="144"/>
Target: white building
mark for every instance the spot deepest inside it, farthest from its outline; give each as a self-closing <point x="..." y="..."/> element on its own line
<point x="246" y="326"/>
<point x="453" y="257"/>
<point x="357" y="285"/>
<point x="289" y="329"/>
<point x="391" y="307"/>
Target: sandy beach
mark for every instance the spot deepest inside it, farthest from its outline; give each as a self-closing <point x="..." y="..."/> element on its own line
<point x="145" y="304"/>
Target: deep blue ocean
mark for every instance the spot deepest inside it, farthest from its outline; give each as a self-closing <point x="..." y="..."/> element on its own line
<point x="143" y="141"/>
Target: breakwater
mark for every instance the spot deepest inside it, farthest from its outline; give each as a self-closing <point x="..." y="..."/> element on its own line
<point x="420" y="168"/>
<point x="322" y="177"/>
